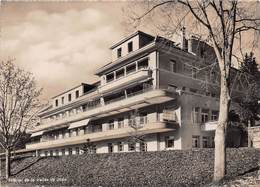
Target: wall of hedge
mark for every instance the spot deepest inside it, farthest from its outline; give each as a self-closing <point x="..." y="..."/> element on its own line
<point x="165" y="168"/>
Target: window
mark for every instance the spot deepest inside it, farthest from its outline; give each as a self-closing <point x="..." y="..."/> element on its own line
<point x="143" y="64"/>
<point x="195" y="141"/>
<point x="69" y="97"/>
<point x="77" y="131"/>
<point x="196" y="115"/>
<point x="120" y="73"/>
<point x="169" y="141"/>
<point x="63" y="134"/>
<point x="120" y="146"/>
<point x="57" y="152"/>
<point x="119" y="52"/>
<point x="94" y="149"/>
<point x="143" y="119"/>
<point x="97" y="128"/>
<point x="46" y="153"/>
<point x="214" y="115"/>
<point x="204" y="115"/>
<point x="205" y="142"/>
<point x="111" y="125"/>
<point x="77" y="94"/>
<point x="110" y="77"/>
<point x="120" y="123"/>
<point x="131" y="146"/>
<point x="110" y="147"/>
<point x="130" y="68"/>
<point x="70" y="133"/>
<point x="143" y="147"/>
<point x="130" y="46"/>
<point x="77" y="150"/>
<point x="63" y="152"/>
<point x="70" y="151"/>
<point x="56" y="102"/>
<point x="173" y="66"/>
<point x="62" y="100"/>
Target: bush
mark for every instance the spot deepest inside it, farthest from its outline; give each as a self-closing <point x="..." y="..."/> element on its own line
<point x="165" y="168"/>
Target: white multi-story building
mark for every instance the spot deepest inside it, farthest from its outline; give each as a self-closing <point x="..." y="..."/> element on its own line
<point x="165" y="90"/>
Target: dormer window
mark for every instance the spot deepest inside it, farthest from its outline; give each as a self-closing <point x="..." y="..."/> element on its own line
<point x="77" y="94"/>
<point x="130" y="47"/>
<point x="119" y="52"/>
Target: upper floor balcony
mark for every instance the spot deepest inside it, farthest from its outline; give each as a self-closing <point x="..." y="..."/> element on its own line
<point x="136" y="99"/>
<point x="145" y="127"/>
<point x="125" y="79"/>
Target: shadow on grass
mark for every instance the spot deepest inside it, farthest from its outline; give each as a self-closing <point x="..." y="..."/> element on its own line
<point x="28" y="166"/>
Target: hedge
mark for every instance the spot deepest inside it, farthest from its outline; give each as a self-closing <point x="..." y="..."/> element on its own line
<point x="164" y="168"/>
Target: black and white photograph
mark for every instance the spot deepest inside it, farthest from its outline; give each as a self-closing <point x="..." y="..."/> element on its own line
<point x="124" y="93"/>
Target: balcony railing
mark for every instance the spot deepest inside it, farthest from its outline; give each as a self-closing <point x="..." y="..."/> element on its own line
<point x="76" y="115"/>
<point x="135" y="75"/>
<point x="140" y="123"/>
<point x="209" y="126"/>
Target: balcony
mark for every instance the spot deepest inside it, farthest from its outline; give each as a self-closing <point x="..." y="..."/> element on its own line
<point x="132" y="101"/>
<point x="135" y="76"/>
<point x="147" y="128"/>
<point x="209" y="126"/>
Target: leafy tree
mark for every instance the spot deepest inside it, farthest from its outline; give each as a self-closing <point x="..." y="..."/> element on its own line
<point x="19" y="105"/>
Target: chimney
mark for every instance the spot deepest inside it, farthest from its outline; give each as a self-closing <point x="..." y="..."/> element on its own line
<point x="184" y="42"/>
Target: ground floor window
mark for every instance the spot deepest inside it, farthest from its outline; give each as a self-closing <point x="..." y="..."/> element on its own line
<point x="77" y="150"/>
<point x="195" y="141"/>
<point x="63" y="152"/>
<point x="110" y="147"/>
<point x="57" y="152"/>
<point x="70" y="151"/>
<point x="205" y="142"/>
<point x="131" y="146"/>
<point x="143" y="147"/>
<point x="51" y="152"/>
<point x="120" y="146"/>
<point x="212" y="141"/>
<point x="169" y="141"/>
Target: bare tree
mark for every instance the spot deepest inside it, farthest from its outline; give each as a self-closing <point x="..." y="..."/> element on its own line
<point x="222" y="24"/>
<point x="18" y="107"/>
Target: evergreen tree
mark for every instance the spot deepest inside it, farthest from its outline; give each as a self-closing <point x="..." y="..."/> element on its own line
<point x="248" y="107"/>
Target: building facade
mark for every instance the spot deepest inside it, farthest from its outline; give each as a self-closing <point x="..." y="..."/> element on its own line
<point x="154" y="91"/>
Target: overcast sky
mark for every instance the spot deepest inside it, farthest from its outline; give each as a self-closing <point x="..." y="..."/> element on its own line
<point x="61" y="43"/>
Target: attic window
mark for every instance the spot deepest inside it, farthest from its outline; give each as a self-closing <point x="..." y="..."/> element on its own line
<point x="119" y="52"/>
<point x="56" y="102"/>
<point x="130" y="47"/>
<point x="69" y="97"/>
<point x="77" y="94"/>
<point x="110" y="77"/>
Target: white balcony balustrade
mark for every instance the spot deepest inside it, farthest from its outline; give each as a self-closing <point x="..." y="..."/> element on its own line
<point x="209" y="126"/>
<point x="122" y="81"/>
<point x="102" y="134"/>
